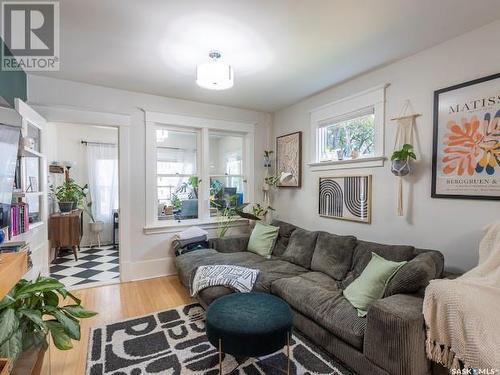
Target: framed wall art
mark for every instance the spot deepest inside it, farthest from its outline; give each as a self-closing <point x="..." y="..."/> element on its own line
<point x="346" y="198"/>
<point x="289" y="159"/>
<point x="466" y="148"/>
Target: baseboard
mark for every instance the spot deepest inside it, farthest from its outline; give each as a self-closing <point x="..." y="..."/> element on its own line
<point x="148" y="269"/>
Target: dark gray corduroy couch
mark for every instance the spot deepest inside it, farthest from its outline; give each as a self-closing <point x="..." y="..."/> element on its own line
<point x="309" y="270"/>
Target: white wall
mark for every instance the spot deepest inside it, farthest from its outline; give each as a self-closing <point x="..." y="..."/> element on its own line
<point x="150" y="254"/>
<point x="65" y="144"/>
<point x="450" y="225"/>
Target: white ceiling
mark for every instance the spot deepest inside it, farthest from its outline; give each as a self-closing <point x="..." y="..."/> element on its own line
<point x="281" y="50"/>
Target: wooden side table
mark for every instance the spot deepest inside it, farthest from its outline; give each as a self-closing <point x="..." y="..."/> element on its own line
<point x="66" y="230"/>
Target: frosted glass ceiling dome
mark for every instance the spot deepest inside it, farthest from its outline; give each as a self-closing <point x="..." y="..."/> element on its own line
<point x="215" y="74"/>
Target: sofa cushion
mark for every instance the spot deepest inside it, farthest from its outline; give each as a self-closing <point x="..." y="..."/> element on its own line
<point x="274" y="269"/>
<point x="284" y="234"/>
<point x="333" y="254"/>
<point x="415" y="275"/>
<point x="187" y="263"/>
<point x="370" y="285"/>
<point x="300" y="247"/>
<point x="363" y="254"/>
<point x="262" y="239"/>
<point x="318" y="297"/>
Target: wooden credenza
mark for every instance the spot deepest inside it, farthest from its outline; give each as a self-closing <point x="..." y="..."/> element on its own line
<point x="66" y="230"/>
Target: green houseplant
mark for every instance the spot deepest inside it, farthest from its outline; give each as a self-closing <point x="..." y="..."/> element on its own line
<point x="400" y="160"/>
<point x="69" y="195"/>
<point x="32" y="310"/>
<point x="228" y="213"/>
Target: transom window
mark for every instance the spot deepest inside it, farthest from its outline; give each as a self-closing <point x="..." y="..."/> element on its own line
<point x="349" y="137"/>
<point x="349" y="131"/>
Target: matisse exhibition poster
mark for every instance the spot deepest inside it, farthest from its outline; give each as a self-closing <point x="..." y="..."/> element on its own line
<point x="466" y="154"/>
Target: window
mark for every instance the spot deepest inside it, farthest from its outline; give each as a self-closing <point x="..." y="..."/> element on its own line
<point x="350" y="137"/>
<point x="349" y="131"/>
<point x="226" y="171"/>
<point x="194" y="167"/>
<point x="177" y="174"/>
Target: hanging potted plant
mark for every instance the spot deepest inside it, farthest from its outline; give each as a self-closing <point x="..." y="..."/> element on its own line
<point x="400" y="160"/>
<point x="30" y="312"/>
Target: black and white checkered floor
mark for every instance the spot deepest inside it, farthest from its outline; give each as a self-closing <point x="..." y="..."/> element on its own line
<point x="93" y="265"/>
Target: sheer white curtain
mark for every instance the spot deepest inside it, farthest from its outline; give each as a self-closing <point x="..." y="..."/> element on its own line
<point x="102" y="161"/>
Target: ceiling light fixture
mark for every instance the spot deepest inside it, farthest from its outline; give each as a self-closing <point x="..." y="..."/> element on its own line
<point x="215" y="75"/>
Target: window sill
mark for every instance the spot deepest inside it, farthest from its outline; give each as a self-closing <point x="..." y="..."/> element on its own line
<point x="176" y="227"/>
<point x="376" y="161"/>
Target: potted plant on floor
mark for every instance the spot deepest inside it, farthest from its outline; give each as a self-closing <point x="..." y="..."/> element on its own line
<point x="260" y="211"/>
<point x="30" y="312"/>
<point x="96" y="226"/>
<point x="228" y="213"/>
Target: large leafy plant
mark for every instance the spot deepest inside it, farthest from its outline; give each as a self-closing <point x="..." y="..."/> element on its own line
<point x="229" y="212"/>
<point x="31" y="311"/>
<point x="70" y="191"/>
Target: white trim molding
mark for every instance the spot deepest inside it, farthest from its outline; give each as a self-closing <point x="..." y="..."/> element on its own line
<point x="338" y="110"/>
<point x="175" y="227"/>
<point x="371" y="162"/>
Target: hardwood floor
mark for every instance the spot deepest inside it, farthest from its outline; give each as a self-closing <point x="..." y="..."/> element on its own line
<point x="113" y="303"/>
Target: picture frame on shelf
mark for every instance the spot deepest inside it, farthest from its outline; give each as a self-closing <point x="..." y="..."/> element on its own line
<point x="466" y="140"/>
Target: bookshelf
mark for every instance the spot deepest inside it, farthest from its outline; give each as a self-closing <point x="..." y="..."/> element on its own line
<point x="31" y="188"/>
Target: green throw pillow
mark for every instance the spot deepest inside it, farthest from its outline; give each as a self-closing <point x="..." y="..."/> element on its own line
<point x="262" y="239"/>
<point x="370" y="285"/>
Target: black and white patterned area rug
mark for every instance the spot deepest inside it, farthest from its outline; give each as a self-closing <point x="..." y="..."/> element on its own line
<point x="173" y="342"/>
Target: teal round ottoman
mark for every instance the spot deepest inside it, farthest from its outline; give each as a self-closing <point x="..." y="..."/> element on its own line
<point x="249" y="325"/>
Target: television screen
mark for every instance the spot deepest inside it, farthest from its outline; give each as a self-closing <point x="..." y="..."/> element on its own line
<point x="9" y="143"/>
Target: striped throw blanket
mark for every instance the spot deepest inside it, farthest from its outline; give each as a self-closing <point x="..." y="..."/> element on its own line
<point x="241" y="279"/>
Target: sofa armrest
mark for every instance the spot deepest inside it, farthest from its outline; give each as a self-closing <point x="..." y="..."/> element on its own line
<point x="395" y="335"/>
<point x="231" y="244"/>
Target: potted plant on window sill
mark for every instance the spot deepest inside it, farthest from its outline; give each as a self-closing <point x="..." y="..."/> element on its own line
<point x="400" y="160"/>
<point x="29" y="313"/>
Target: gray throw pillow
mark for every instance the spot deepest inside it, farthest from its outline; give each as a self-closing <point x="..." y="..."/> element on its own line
<point x="300" y="247"/>
<point x="414" y="275"/>
<point x="284" y="234"/>
<point x="333" y="254"/>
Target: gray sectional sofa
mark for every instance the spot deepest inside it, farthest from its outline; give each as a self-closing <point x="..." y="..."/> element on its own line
<point x="310" y="269"/>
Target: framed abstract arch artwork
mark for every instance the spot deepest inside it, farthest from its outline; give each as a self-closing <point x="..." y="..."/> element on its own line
<point x="346" y="198"/>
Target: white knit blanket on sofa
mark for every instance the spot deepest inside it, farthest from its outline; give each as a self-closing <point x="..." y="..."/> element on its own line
<point x="241" y="279"/>
<point x="463" y="316"/>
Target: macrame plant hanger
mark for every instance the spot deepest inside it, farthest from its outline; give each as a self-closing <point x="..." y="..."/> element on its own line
<point x="404" y="135"/>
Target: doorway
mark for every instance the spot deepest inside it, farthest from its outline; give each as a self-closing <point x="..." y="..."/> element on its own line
<point x="84" y="157"/>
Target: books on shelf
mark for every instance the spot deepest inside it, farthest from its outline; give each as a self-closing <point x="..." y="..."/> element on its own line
<point x="19" y="218"/>
<point x="17" y="247"/>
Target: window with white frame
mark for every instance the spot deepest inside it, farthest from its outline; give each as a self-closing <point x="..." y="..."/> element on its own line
<point x="177" y="178"/>
<point x="226" y="170"/>
<point x="193" y="171"/>
<point x="351" y="129"/>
